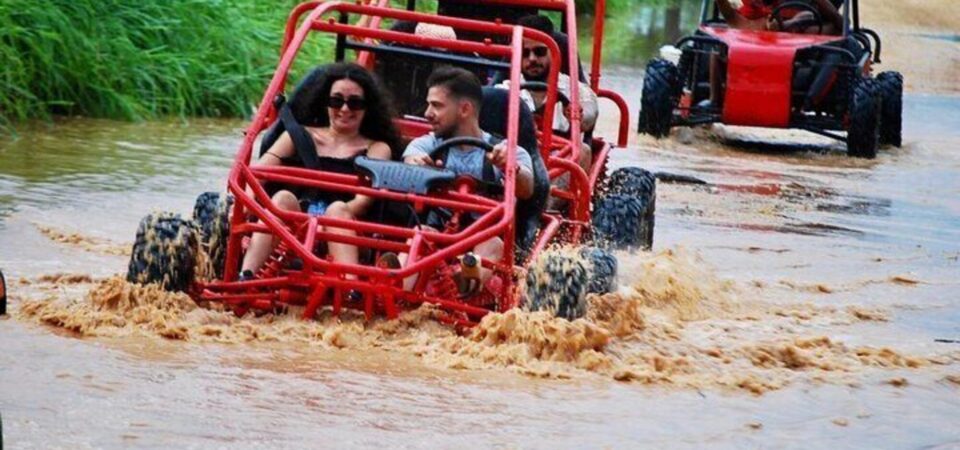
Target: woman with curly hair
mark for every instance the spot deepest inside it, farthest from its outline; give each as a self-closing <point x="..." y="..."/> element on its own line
<point x="345" y="113"/>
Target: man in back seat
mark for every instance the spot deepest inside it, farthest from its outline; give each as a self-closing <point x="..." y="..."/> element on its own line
<point x="535" y="67"/>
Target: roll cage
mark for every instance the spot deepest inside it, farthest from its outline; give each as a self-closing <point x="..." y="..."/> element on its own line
<point x="508" y="11"/>
<point x="319" y="280"/>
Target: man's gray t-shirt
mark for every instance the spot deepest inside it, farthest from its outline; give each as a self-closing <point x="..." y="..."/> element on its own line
<point x="464" y="161"/>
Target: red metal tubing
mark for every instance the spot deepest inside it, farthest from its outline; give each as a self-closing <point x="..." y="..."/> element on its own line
<point x="260" y="203"/>
<point x="578" y="182"/>
<point x="599" y="13"/>
<point x="548" y="233"/>
<point x="623" y="135"/>
<point x="360" y="241"/>
<point x="262" y="283"/>
<point x="292" y="21"/>
<point x="473" y="238"/>
<point x="572" y="50"/>
<point x="597" y="170"/>
<point x="378" y="193"/>
<point x="367" y="227"/>
<point x="447" y="304"/>
<point x="213" y="297"/>
<point x="553" y="5"/>
<point x="397" y="36"/>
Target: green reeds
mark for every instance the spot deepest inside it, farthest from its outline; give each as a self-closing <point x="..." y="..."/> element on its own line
<point x="134" y="59"/>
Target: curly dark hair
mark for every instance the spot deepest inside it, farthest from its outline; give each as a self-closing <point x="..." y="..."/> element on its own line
<point x="309" y="102"/>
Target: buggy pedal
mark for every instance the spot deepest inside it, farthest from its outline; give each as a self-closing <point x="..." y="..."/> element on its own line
<point x="468" y="279"/>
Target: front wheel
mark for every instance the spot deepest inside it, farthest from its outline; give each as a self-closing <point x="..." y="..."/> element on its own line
<point x="211" y="214"/>
<point x="661" y="92"/>
<point x="164" y="252"/>
<point x="557" y="282"/>
<point x="603" y="270"/>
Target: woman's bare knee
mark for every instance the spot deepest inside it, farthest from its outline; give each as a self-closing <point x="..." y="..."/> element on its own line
<point x="339" y="210"/>
<point x="491" y="249"/>
<point x="286" y="200"/>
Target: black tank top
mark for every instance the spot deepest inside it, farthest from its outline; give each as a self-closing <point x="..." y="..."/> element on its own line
<point x="326" y="164"/>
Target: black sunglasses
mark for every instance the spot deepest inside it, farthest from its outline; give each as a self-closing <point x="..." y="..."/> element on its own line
<point x="354" y="103"/>
<point x="540" y="52"/>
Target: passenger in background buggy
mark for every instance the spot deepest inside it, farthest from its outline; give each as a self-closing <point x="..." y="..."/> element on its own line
<point x="758" y="15"/>
<point x="351" y="118"/>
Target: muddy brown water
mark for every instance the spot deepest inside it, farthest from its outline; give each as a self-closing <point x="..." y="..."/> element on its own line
<point x="795" y="300"/>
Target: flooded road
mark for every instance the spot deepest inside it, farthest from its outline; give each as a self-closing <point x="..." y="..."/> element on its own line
<point x="797" y="294"/>
<point x="796" y="298"/>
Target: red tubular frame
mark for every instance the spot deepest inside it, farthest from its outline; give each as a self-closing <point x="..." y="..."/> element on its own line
<point x="319" y="275"/>
<point x="321" y="281"/>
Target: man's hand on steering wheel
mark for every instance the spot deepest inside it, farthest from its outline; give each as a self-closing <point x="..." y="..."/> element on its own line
<point x="498" y="156"/>
<point x="423" y="160"/>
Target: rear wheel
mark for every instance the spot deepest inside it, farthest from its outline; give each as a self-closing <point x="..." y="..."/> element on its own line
<point x="212" y="215"/>
<point x="864" y="134"/>
<point x="661" y="92"/>
<point x="164" y="252"/>
<point x="625" y="216"/>
<point x="557" y="282"/>
<point x="891" y="109"/>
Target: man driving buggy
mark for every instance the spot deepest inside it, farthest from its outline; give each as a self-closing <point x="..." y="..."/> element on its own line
<point x="454" y="100"/>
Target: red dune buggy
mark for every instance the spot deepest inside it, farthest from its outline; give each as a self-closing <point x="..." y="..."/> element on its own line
<point x="167" y="248"/>
<point x="778" y="79"/>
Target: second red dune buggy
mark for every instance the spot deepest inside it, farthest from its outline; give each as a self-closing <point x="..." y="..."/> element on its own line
<point x="298" y="273"/>
<point x="792" y="78"/>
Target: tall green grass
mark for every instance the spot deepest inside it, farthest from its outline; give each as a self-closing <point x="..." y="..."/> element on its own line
<point x="136" y="59"/>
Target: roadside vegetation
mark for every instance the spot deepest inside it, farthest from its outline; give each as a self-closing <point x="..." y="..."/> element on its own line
<point x="130" y="59"/>
<point x="135" y="60"/>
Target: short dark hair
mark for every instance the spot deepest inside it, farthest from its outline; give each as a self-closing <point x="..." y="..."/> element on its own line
<point x="461" y="83"/>
<point x="537" y="22"/>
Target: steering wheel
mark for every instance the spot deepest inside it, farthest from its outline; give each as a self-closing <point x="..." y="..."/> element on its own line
<point x="457" y="141"/>
<point x="817" y="20"/>
<point x="539" y="86"/>
<point x="491" y="185"/>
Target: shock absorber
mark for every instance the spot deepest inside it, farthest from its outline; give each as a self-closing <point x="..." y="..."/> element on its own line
<point x="443" y="283"/>
<point x="274" y="264"/>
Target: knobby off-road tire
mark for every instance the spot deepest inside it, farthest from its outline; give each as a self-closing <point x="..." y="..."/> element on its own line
<point x="863" y="137"/>
<point x="211" y="214"/>
<point x="661" y="92"/>
<point x="625" y="216"/>
<point x="557" y="282"/>
<point x="602" y="270"/>
<point x="164" y="252"/>
<point x="891" y="108"/>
